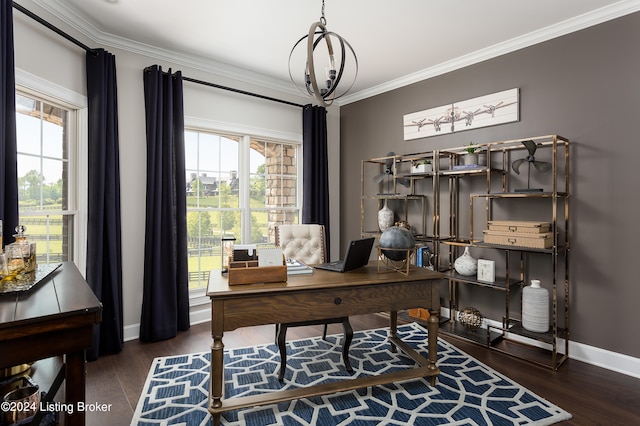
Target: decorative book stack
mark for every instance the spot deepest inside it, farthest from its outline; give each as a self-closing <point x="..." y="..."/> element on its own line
<point x="296" y="267"/>
<point x="529" y="234"/>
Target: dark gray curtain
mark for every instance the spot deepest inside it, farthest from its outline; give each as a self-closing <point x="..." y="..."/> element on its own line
<point x="315" y="178"/>
<point x="104" y="251"/>
<point x="8" y="148"/>
<point x="165" y="304"/>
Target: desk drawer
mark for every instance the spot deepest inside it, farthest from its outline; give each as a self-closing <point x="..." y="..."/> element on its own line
<point x="326" y="303"/>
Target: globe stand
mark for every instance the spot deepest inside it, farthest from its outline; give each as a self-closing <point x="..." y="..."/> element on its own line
<point x="404" y="266"/>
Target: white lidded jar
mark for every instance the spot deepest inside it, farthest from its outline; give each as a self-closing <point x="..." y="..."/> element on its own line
<point x="535" y="308"/>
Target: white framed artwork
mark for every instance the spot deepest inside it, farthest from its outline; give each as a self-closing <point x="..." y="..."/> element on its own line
<point x="489" y="110"/>
<point x="486" y="270"/>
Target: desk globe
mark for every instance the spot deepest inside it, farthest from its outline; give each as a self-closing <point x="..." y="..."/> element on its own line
<point x="399" y="239"/>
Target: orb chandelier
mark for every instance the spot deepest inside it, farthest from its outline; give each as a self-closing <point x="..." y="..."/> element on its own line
<point x="339" y="65"/>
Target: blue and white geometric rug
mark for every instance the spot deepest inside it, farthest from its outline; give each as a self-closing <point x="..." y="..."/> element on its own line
<point x="467" y="392"/>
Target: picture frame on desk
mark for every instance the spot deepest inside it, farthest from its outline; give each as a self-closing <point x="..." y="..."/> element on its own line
<point x="486" y="271"/>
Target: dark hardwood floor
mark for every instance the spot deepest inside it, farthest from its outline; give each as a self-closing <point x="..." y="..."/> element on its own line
<point x="593" y="395"/>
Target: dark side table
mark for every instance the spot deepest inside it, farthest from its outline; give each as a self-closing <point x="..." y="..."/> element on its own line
<point x="54" y="318"/>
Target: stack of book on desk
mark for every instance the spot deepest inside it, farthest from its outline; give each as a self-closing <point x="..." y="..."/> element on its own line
<point x="296" y="267"/>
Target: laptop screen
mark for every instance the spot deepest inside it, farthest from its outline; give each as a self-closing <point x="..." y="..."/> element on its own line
<point x="358" y="253"/>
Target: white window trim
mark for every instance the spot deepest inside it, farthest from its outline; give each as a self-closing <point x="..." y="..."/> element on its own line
<point x="199" y="297"/>
<point x="78" y="181"/>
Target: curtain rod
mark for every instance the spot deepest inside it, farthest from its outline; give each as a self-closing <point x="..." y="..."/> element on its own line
<point x="217" y="86"/>
<point x="88" y="49"/>
<point x="52" y="27"/>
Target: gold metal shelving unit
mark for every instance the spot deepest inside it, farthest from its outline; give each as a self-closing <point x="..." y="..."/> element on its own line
<point x="445" y="232"/>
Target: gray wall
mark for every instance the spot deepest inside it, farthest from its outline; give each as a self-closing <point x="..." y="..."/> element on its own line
<point x="584" y="86"/>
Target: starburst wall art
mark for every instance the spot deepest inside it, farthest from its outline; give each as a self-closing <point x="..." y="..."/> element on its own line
<point x="489" y="110"/>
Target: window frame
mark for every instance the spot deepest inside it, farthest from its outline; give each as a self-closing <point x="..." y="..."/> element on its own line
<point x="30" y="85"/>
<point x="245" y="134"/>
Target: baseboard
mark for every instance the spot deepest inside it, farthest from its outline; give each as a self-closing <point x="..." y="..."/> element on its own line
<point x="609" y="360"/>
<point x="132" y="332"/>
<point x="613" y="361"/>
<point x="603" y="358"/>
<point x="200" y="316"/>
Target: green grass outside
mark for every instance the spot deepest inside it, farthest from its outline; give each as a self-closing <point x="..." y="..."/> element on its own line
<point x="196" y="264"/>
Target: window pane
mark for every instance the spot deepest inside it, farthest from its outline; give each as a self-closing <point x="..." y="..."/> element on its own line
<point x="43" y="164"/>
<point x="211" y="163"/>
<point x="204" y="253"/>
<point x="28" y="126"/>
<point x="53" y="132"/>
<point x="52" y="235"/>
<point x="216" y="206"/>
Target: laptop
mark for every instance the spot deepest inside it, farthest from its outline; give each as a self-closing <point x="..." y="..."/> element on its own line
<point x="357" y="256"/>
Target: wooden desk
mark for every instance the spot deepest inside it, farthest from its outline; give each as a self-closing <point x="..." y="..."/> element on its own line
<point x="320" y="295"/>
<point x="54" y="318"/>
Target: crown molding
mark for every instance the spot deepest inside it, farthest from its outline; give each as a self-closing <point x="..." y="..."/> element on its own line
<point x="72" y="19"/>
<point x="604" y="14"/>
<point x="87" y="29"/>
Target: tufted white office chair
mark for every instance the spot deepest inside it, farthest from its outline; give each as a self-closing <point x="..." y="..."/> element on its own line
<point x="307" y="243"/>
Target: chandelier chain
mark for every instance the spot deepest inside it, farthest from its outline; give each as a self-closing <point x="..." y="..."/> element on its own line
<point x="323" y="20"/>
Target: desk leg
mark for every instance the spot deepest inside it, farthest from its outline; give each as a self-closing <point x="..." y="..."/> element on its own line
<point x="393" y="328"/>
<point x="75" y="387"/>
<point x="217" y="375"/>
<point x="432" y="327"/>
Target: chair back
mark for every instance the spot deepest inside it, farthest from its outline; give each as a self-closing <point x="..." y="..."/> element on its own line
<point x="304" y="242"/>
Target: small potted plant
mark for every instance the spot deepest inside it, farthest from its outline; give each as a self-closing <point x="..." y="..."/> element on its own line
<point x="421" y="166"/>
<point x="471" y="157"/>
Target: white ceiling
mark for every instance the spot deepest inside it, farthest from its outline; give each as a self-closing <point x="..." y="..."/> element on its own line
<point x="396" y="42"/>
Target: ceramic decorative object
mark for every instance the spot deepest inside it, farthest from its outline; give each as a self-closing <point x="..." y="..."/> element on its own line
<point x="398" y="238"/>
<point x="466" y="264"/>
<point x="535" y="308"/>
<point x="385" y="217"/>
<point x="470" y="318"/>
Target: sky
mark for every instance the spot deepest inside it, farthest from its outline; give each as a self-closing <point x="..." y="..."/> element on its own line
<point x="36" y="138"/>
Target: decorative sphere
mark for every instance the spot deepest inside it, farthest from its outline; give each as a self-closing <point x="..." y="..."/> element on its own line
<point x="470" y="318"/>
<point x="396" y="237"/>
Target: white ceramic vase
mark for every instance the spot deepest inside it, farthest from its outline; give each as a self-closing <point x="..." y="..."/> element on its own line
<point x="535" y="308"/>
<point x="385" y="217"/>
<point x="466" y="264"/>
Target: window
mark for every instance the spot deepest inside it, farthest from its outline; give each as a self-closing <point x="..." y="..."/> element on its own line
<point x="43" y="176"/>
<point x="237" y="186"/>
